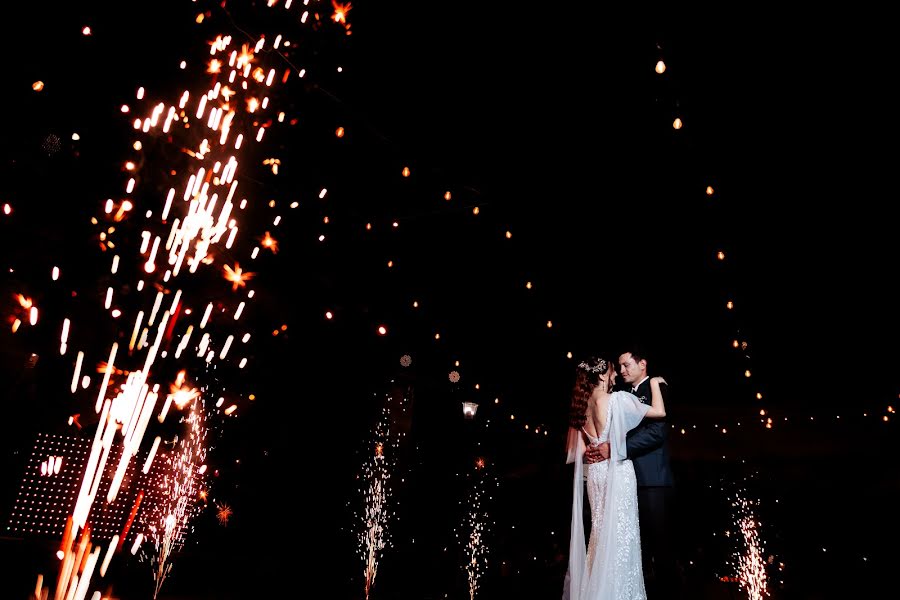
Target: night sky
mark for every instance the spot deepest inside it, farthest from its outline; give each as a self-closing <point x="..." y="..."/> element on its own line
<point x="592" y="215"/>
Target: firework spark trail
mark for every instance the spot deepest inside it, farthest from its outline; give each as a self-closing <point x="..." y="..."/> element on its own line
<point x="374" y="535"/>
<point x="194" y="226"/>
<point x="749" y="564"/>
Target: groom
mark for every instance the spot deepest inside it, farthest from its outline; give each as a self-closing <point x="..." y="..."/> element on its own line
<point x="649" y="451"/>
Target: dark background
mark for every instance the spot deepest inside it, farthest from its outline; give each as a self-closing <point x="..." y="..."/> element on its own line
<point x="550" y="120"/>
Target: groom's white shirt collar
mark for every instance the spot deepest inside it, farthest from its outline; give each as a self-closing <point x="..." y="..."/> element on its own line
<point x="638" y="384"/>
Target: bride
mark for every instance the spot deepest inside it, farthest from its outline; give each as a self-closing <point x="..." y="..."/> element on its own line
<point x="610" y="567"/>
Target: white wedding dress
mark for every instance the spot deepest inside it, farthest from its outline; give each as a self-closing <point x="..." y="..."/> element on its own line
<point x="610" y="567"/>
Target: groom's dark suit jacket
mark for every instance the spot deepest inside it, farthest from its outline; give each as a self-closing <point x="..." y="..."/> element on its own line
<point x="648" y="444"/>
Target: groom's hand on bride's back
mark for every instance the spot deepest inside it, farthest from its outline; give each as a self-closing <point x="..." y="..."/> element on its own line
<point x="594" y="454"/>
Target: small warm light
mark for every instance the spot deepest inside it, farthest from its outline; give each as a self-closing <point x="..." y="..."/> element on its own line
<point x="747" y="373"/>
<point x="677" y="124"/>
<point x="395" y="224"/>
<point x="329" y="315"/>
<point x="86" y="30"/>
<point x="724" y="430"/>
<point x="496" y="400"/>
<point x="884" y="418"/>
<point x="437" y="336"/>
<point x="758" y="396"/>
<point x="475" y="211"/>
<point x="512" y="417"/>
<point x="447" y="196"/>
<point x="368" y="226"/>
<point x="75" y="137"/>
<point x="509" y="235"/>
<point x="137" y="145"/>
<point x="709" y="190"/>
<point x="527" y="285"/>
<point x="477" y="386"/>
<point x="390" y="264"/>
<point x="406" y="171"/>
<point x="549" y="324"/>
<point x="762" y="412"/>
<point x="321" y="238"/>
<point x="660" y="67"/>
<point x="7" y="209"/>
<point x="735" y="344"/>
<point x="129" y="166"/>
<point x="720" y="255"/>
<point x="340" y="132"/>
<point x="729" y="305"/>
<point x="456" y="363"/>
<point x="415" y="304"/>
<point x="382" y="330"/>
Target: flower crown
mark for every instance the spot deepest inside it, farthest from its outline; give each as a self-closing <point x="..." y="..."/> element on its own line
<point x="600" y="367"/>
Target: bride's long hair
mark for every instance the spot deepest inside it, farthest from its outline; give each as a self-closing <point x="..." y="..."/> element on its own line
<point x="588" y="375"/>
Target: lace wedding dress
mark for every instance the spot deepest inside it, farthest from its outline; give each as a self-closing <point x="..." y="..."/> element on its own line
<point x="610" y="568"/>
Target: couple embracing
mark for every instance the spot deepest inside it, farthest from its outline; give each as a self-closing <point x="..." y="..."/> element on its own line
<point x="618" y="444"/>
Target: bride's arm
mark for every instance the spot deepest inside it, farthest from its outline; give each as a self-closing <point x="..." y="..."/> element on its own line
<point x="657" y="405"/>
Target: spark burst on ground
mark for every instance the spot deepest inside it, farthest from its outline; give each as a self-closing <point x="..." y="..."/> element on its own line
<point x="170" y="519"/>
<point x="475" y="526"/>
<point x="749" y="564"/>
<point x="374" y="535"/>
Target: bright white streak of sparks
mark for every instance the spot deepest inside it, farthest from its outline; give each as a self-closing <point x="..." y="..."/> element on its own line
<point x="152" y="454"/>
<point x="113" y="542"/>
<point x="86" y="574"/>
<point x="169" y="197"/>
<point x="227" y="345"/>
<point x="170" y="117"/>
<point x="201" y="107"/>
<point x="149" y="267"/>
<point x="184" y="341"/>
<point x="231" y="237"/>
<point x="105" y="382"/>
<point x="83" y="504"/>
<point x="165" y="409"/>
<point x="108" y="302"/>
<point x="33" y="315"/>
<point x="239" y="310"/>
<point x="156" y="304"/>
<point x="246" y="338"/>
<point x="175" y="301"/>
<point x="63" y="338"/>
<point x="137" y="543"/>
<point x="115" y="264"/>
<point x="78" y="360"/>
<point x="134" y="333"/>
<point x="55" y="273"/>
<point x="206" y="315"/>
<point x="204" y="342"/>
<point x="145" y="241"/>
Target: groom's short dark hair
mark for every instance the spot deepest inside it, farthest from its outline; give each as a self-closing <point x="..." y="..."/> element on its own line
<point x="637" y="351"/>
